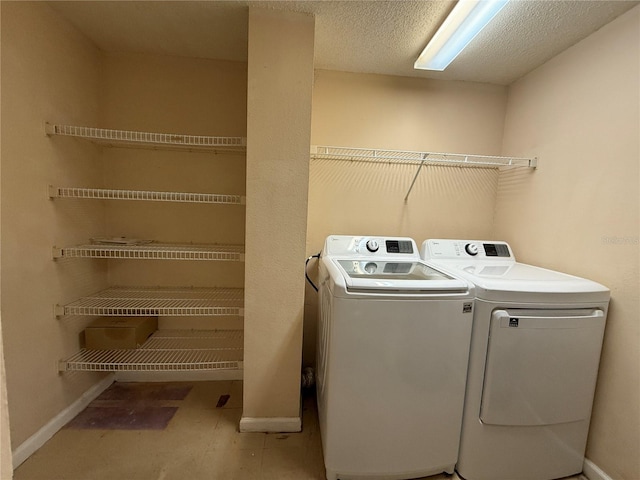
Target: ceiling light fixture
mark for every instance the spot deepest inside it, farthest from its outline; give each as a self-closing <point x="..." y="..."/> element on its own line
<point x="464" y="22"/>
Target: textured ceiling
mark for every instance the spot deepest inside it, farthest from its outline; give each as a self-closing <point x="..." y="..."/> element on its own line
<point x="383" y="37"/>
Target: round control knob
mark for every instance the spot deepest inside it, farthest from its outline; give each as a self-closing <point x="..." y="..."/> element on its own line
<point x="370" y="267"/>
<point x="372" y="245"/>
<point x="471" y="249"/>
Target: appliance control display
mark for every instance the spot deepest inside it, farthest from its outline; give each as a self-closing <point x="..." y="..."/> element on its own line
<point x="471" y="249"/>
<point x="372" y="245"/>
<point x="496" y="250"/>
<point x="399" y="246"/>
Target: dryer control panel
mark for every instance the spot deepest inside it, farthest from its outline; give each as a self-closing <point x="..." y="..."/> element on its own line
<point x="374" y="247"/>
<point x="445" y="249"/>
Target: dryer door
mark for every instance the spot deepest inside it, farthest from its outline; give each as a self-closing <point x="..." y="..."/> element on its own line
<point x="541" y="366"/>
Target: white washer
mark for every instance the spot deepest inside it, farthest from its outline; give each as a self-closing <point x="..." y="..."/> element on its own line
<point x="393" y="347"/>
<point x="535" y="352"/>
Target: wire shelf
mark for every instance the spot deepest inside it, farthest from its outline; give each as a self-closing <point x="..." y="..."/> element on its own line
<point x="159" y="301"/>
<point x="144" y="195"/>
<point x="153" y="251"/>
<point x="147" y="139"/>
<point x="418" y="158"/>
<point x="164" y="351"/>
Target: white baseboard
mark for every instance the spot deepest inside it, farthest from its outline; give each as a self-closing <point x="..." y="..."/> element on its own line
<point x="38" y="439"/>
<point x="593" y="472"/>
<point x="270" y="424"/>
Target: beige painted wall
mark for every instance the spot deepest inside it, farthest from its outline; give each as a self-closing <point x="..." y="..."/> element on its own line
<point x="376" y="111"/>
<point x="580" y="114"/>
<point x="352" y="109"/>
<point x="280" y="77"/>
<point x="49" y="73"/>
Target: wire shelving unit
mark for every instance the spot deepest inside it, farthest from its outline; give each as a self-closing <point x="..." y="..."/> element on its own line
<point x="130" y="138"/>
<point x="158" y="301"/>
<point x="166" y="351"/>
<point x="145" y="195"/>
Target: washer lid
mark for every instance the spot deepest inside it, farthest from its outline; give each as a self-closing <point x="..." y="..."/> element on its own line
<point x="494" y="280"/>
<point x="396" y="275"/>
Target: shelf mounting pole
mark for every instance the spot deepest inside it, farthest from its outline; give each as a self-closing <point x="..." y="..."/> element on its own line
<point x="424" y="158"/>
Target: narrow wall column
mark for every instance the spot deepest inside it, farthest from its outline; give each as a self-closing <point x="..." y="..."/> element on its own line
<point x="280" y="81"/>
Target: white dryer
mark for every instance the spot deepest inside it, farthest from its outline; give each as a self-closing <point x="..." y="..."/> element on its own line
<point x="535" y="352"/>
<point x="393" y="346"/>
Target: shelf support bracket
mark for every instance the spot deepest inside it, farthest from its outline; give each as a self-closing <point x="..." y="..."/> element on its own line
<point x="424" y="158"/>
<point x="58" y="311"/>
<point x="53" y="192"/>
<point x="49" y="129"/>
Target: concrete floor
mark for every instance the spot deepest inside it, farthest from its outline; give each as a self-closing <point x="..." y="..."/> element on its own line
<point x="200" y="442"/>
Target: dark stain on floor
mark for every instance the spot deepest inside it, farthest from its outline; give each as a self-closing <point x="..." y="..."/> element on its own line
<point x="131" y="406"/>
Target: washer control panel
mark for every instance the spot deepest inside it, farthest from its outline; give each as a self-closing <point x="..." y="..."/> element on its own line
<point x="434" y="249"/>
<point x="375" y="247"/>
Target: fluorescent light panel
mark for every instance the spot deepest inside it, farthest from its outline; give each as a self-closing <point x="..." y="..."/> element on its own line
<point x="464" y="22"/>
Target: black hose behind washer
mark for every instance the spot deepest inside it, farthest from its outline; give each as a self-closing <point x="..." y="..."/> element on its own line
<point x="317" y="255"/>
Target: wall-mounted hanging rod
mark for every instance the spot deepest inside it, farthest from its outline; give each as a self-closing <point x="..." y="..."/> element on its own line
<point x="321" y="152"/>
<point x="412" y="157"/>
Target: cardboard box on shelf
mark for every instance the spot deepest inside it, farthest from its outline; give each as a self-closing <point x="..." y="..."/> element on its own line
<point x="113" y="333"/>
